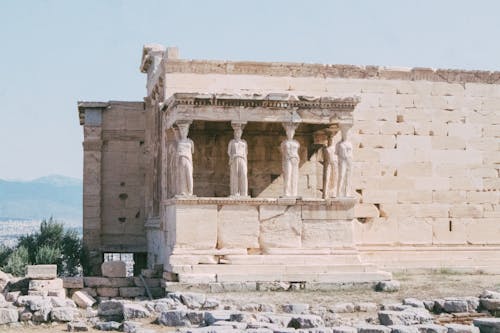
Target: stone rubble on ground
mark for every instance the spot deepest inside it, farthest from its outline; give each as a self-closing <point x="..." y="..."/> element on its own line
<point x="195" y="312"/>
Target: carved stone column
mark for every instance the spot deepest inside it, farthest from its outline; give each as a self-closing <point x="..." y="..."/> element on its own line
<point x="343" y="150"/>
<point x="238" y="152"/>
<point x="184" y="160"/>
<point x="290" y="161"/>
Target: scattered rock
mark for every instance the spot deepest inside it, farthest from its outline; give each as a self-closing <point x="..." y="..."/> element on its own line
<point x="132" y="311"/>
<point x="405" y="317"/>
<point x="366" y="307"/>
<point x="368" y="328"/>
<point x="111" y="309"/>
<point x="488" y="325"/>
<point x="108" y="326"/>
<point x="8" y="315"/>
<point x="416" y="303"/>
<point x="388" y="286"/>
<point x="491" y="304"/>
<point x="455" y="305"/>
<point x="77" y="327"/>
<point x="62" y="314"/>
<point x="218" y="315"/>
<point x="306" y="321"/>
<point x="431" y="328"/>
<point x="395" y="307"/>
<point x="193" y="300"/>
<point x="403" y="329"/>
<point x="429" y="305"/>
<point x="344" y="329"/>
<point x="342" y="308"/>
<point x="296" y="308"/>
<point x="173" y="318"/>
<point x="83" y="299"/>
<point x="131" y="326"/>
<point x="490" y="294"/>
<point x="457" y="328"/>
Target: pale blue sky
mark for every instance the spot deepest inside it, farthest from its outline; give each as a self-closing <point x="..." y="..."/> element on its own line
<point x="54" y="53"/>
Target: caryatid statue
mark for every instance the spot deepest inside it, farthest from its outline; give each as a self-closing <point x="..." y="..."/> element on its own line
<point x="329" y="161"/>
<point x="344" y="153"/>
<point x="290" y="161"/>
<point x="184" y="161"/>
<point x="238" y="152"/>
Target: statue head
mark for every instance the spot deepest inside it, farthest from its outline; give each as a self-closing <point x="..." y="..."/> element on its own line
<point x="237" y="133"/>
<point x="330" y="139"/>
<point x="290" y="130"/>
<point x="238" y="129"/>
<point x="183" y="130"/>
<point x="344" y="130"/>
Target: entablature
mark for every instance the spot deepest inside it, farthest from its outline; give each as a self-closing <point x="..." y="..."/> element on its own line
<point x="274" y="107"/>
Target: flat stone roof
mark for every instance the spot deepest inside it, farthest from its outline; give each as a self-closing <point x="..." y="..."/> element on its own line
<point x="330" y="71"/>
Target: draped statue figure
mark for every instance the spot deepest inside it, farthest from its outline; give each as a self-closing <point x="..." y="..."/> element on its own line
<point x="290" y="161"/>
<point x="344" y="153"/>
<point x="238" y="151"/>
<point x="184" y="158"/>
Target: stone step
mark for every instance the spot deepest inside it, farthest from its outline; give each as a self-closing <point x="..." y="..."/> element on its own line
<point x="295" y="259"/>
<point x="333" y="277"/>
<point x="273" y="269"/>
<point x="310" y="277"/>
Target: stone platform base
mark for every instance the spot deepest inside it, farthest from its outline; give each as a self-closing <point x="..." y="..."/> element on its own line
<point x="224" y="287"/>
<point x="422" y="259"/>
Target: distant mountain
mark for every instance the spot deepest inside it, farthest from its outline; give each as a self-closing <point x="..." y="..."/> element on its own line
<point x="54" y="195"/>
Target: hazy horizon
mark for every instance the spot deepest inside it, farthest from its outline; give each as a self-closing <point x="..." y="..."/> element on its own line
<point x="58" y="52"/>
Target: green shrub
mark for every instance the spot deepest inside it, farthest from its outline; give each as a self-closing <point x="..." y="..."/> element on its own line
<point x="5" y="252"/>
<point x="17" y="261"/>
<point x="47" y="254"/>
<point x="50" y="245"/>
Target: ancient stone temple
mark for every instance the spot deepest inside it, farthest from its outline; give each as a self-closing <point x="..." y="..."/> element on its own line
<point x="248" y="171"/>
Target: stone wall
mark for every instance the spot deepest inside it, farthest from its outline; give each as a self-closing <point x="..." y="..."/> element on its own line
<point x="113" y="212"/>
<point x="427" y="151"/>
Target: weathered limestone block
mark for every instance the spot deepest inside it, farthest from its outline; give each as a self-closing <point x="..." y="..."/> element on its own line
<point x="130" y="292"/>
<point x="132" y="311"/>
<point x="62" y="314"/>
<point x="192" y="226"/>
<point x="369" y="328"/>
<point x="114" y="269"/>
<point x="448" y="231"/>
<point x="41" y="272"/>
<point x="8" y="315"/>
<point x="111" y="309"/>
<point x="488" y="325"/>
<point x="42" y="285"/>
<point x="280" y="226"/>
<point x="73" y="282"/>
<point x="107" y="292"/>
<point x="327" y="233"/>
<point x="238" y="227"/>
<point x="406" y="317"/>
<point x="83" y="300"/>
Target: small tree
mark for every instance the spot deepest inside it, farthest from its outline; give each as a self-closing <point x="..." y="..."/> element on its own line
<point x="51" y="245"/>
<point x="17" y="261"/>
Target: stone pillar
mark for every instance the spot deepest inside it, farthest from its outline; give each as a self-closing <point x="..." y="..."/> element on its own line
<point x="343" y="150"/>
<point x="184" y="160"/>
<point x="238" y="164"/>
<point x="92" y="151"/>
<point x="290" y="161"/>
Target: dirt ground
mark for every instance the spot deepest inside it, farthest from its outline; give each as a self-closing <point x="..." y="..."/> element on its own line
<point x="430" y="286"/>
